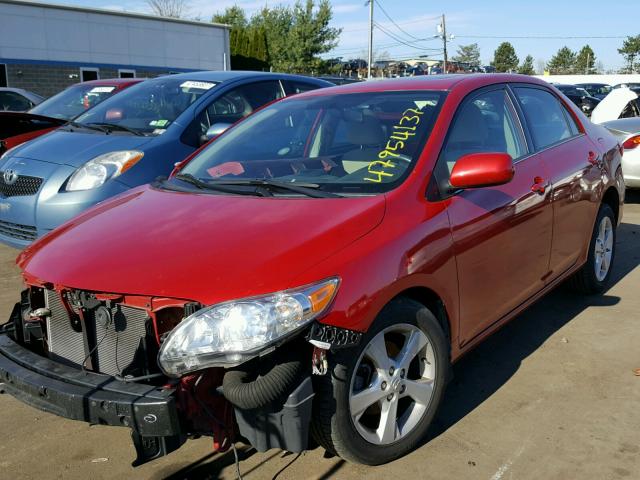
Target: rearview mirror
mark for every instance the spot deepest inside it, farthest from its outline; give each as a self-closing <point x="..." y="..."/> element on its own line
<point x="482" y="170"/>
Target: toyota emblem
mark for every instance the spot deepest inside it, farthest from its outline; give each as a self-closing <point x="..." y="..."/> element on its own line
<point x="9" y="176"/>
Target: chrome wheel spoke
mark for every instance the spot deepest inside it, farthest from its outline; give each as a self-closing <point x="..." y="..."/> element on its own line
<point x="419" y="390"/>
<point x="388" y="427"/>
<point x="416" y="342"/>
<point x="364" y="399"/>
<point x="603" y="253"/>
<point x="377" y="353"/>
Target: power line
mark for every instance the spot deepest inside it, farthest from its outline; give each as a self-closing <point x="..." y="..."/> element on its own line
<point x="544" y="37"/>
<point x="393" y="36"/>
<point x="408" y="22"/>
<point x="393" y="21"/>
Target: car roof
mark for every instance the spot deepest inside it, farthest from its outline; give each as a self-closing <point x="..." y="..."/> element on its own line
<point x="112" y="81"/>
<point x="428" y="82"/>
<point x="226" y="75"/>
<point x="593" y="84"/>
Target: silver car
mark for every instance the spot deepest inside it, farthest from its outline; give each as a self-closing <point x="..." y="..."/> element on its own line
<point x="627" y="130"/>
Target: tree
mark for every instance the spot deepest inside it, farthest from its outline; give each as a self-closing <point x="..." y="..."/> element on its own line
<point x="233" y="16"/>
<point x="168" y="8"/>
<point x="505" y="58"/>
<point x="630" y="51"/>
<point x="563" y="62"/>
<point x="586" y="61"/>
<point x="527" y="66"/>
<point x="468" y="54"/>
<point x="297" y="36"/>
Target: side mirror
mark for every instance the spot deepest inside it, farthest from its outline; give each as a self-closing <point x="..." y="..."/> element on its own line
<point x="482" y="170"/>
<point x="216" y="129"/>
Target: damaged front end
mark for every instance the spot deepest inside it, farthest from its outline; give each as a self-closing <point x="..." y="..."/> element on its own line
<point x="135" y="362"/>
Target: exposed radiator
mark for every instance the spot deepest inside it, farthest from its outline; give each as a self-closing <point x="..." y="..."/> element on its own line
<point x="114" y="336"/>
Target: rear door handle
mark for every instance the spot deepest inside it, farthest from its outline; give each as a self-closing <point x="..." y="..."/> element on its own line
<point x="594" y="159"/>
<point x="539" y="185"/>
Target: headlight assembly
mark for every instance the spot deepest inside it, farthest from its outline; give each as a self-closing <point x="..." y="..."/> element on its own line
<point x="97" y="171"/>
<point x="231" y="333"/>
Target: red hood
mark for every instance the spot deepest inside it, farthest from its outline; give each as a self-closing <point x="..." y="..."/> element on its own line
<point x="201" y="247"/>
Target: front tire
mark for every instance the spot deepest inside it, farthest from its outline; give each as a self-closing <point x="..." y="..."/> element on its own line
<point x="377" y="400"/>
<point x="594" y="275"/>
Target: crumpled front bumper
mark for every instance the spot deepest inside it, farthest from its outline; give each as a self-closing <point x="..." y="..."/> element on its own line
<point x="150" y="412"/>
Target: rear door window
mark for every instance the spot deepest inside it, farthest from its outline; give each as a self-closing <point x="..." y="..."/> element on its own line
<point x="232" y="106"/>
<point x="293" y="87"/>
<point x="545" y="116"/>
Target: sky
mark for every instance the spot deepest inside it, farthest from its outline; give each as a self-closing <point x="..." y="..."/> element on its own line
<point x="487" y="22"/>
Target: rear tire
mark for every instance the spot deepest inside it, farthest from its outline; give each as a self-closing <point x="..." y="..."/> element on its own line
<point x="402" y="392"/>
<point x="594" y="275"/>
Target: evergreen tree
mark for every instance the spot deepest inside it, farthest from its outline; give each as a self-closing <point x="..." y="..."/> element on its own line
<point x="630" y="51"/>
<point x="585" y="61"/>
<point x="563" y="62"/>
<point x="468" y="54"/>
<point x="505" y="58"/>
<point x="526" y="68"/>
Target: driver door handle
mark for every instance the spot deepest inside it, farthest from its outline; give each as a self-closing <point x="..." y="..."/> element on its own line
<point x="539" y="185"/>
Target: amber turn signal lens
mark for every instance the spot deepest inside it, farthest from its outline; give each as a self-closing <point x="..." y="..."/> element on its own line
<point x="321" y="297"/>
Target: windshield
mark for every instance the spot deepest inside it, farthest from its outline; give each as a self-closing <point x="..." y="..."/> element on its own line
<point x="597" y="89"/>
<point x="73" y="101"/>
<point x="149" y="107"/>
<point x="343" y="143"/>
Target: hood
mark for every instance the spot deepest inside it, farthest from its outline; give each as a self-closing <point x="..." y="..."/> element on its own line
<point x="77" y="148"/>
<point x="612" y="105"/>
<point x="201" y="247"/>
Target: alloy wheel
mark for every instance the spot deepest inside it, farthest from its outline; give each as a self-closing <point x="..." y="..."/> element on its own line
<point x="393" y="384"/>
<point x="603" y="249"/>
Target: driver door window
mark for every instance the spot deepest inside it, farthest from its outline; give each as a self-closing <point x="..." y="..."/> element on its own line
<point x="232" y="106"/>
<point x="485" y="123"/>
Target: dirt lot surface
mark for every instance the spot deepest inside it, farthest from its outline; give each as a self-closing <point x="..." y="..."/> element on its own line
<point x="551" y="396"/>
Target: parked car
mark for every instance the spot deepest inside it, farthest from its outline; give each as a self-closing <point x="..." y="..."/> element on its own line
<point x="340" y="80"/>
<point x="627" y="85"/>
<point x="125" y="141"/>
<point x="597" y="90"/>
<point x="318" y="266"/>
<point x="80" y="97"/>
<point x="620" y="103"/>
<point x="17" y="99"/>
<point x="19" y="127"/>
<point x="627" y="131"/>
<point x="579" y="96"/>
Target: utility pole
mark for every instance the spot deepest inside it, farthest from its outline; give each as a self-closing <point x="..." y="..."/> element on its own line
<point x="586" y="70"/>
<point x="370" y="60"/>
<point x="444" y="41"/>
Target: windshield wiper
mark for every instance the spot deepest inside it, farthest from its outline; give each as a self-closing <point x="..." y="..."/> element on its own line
<point x="308" y="189"/>
<point x="87" y="126"/>
<point x="109" y="127"/>
<point x="187" y="177"/>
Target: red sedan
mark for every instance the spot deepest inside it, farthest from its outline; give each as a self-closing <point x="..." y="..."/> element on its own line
<point x="318" y="267"/>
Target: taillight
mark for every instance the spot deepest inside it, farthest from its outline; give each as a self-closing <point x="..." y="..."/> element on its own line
<point x="631" y="142"/>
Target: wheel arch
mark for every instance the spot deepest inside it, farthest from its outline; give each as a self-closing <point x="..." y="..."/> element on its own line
<point x="612" y="198"/>
<point x="434" y="303"/>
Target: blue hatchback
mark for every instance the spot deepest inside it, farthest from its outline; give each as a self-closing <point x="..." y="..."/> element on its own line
<point x="127" y="140"/>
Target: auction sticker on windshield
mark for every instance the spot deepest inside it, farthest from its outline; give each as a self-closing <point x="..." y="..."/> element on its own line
<point x="197" y="85"/>
<point x="102" y="89"/>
